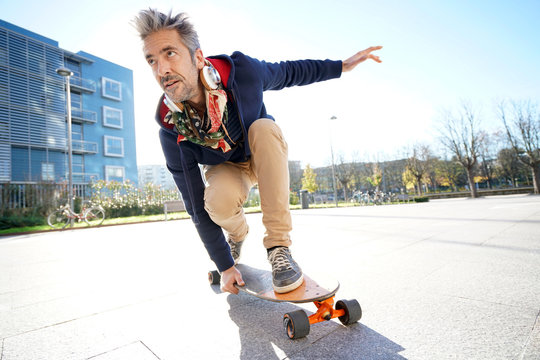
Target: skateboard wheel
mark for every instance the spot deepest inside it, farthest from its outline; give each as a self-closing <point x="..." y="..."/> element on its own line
<point x="214" y="277"/>
<point x="353" y="311"/>
<point x="296" y="324"/>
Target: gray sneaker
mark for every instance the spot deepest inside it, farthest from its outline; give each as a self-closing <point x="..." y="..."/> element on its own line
<point x="286" y="274"/>
<point x="236" y="248"/>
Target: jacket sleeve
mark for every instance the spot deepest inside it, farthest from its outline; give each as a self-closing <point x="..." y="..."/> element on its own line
<point x="188" y="176"/>
<point x="276" y="76"/>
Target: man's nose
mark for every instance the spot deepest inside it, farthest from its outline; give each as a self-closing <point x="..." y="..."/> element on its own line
<point x="163" y="68"/>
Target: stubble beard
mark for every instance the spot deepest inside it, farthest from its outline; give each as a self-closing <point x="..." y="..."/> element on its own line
<point x="180" y="91"/>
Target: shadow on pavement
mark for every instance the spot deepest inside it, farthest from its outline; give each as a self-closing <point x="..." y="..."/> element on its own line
<point x="262" y="336"/>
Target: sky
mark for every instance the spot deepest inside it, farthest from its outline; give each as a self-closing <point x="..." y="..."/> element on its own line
<point x="436" y="54"/>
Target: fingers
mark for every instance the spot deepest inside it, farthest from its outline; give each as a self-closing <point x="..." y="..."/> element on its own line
<point x="368" y="53"/>
<point x="375" y="58"/>
<point x="229" y="288"/>
<point x="239" y="280"/>
<point x="373" y="48"/>
<point x="360" y="57"/>
<point x="229" y="280"/>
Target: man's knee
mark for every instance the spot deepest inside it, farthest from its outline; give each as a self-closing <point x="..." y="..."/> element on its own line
<point x="265" y="131"/>
<point x="220" y="204"/>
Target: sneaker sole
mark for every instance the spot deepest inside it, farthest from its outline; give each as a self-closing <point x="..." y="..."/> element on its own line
<point x="288" y="288"/>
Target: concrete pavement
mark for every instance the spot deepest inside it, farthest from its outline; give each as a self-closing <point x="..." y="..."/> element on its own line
<point x="448" y="279"/>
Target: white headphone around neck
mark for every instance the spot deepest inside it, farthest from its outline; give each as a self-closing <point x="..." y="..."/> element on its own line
<point x="171" y="104"/>
<point x="210" y="77"/>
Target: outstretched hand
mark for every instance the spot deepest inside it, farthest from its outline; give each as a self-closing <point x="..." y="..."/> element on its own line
<point x="361" y="56"/>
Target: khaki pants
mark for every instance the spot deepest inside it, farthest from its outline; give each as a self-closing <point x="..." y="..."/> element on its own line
<point x="228" y="186"/>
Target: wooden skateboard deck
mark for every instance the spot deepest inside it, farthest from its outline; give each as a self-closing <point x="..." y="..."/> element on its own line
<point x="297" y="323"/>
<point x="258" y="283"/>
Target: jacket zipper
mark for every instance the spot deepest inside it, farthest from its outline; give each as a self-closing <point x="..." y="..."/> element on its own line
<point x="242" y="141"/>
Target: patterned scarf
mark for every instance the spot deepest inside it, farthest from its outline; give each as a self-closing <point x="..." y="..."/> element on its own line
<point x="209" y="131"/>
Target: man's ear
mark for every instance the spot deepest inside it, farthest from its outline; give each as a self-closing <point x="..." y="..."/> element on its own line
<point x="199" y="59"/>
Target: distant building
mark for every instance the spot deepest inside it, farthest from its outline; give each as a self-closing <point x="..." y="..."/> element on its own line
<point x="33" y="126"/>
<point x="157" y="175"/>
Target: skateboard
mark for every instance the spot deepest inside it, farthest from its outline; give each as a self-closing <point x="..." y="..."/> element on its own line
<point x="297" y="323"/>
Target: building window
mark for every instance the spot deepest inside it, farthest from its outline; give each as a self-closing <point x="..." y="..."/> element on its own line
<point x="112" y="117"/>
<point x="111" y="89"/>
<point x="115" y="173"/>
<point x="47" y="171"/>
<point x="74" y="66"/>
<point x="76" y="101"/>
<point x="114" y="146"/>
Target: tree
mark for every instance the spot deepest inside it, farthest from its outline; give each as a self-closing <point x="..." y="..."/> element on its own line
<point x="508" y="166"/>
<point x="522" y="124"/>
<point x="309" y="180"/>
<point x="361" y="172"/>
<point x="392" y="173"/>
<point x="486" y="154"/>
<point x="459" y="134"/>
<point x="418" y="164"/>
<point x="376" y="176"/>
<point x="345" y="175"/>
<point x="448" y="173"/>
<point x="409" y="180"/>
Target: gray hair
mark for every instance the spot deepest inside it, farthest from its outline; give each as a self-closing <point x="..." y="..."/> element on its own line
<point x="151" y="20"/>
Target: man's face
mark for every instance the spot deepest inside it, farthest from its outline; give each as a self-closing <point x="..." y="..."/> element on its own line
<point x="174" y="69"/>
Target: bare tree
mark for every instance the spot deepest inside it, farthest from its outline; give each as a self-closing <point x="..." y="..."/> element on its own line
<point x="487" y="154"/>
<point x="449" y="173"/>
<point x="521" y="121"/>
<point x="345" y="173"/>
<point x="393" y="174"/>
<point x="509" y="167"/>
<point x="418" y="163"/>
<point x="459" y="133"/>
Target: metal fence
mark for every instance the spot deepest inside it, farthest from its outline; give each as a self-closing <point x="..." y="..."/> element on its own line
<point x="24" y="196"/>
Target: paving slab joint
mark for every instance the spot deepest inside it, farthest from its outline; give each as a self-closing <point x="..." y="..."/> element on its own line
<point x="535" y="327"/>
<point x="143" y="344"/>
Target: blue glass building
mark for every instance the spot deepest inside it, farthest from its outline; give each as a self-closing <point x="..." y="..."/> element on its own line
<point x="33" y="126"/>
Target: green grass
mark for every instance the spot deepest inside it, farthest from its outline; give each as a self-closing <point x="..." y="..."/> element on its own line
<point x="114" y="221"/>
<point x="25" y="229"/>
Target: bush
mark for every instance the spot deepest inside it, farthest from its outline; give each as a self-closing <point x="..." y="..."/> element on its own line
<point x="117" y="199"/>
<point x="293" y="198"/>
<point x="421" y="199"/>
<point x="125" y="200"/>
<point x="15" y="221"/>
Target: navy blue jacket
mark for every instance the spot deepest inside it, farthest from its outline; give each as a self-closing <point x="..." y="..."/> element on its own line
<point x="245" y="79"/>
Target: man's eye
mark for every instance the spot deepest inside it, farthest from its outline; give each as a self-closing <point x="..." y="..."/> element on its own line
<point x="151" y="61"/>
<point x="171" y="53"/>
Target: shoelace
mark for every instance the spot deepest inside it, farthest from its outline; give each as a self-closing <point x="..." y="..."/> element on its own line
<point x="279" y="259"/>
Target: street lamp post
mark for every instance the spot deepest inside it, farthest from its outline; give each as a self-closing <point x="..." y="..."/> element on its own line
<point x="333" y="166"/>
<point x="67" y="74"/>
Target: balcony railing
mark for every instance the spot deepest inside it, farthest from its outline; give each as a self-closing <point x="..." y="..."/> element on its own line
<point x="85" y="85"/>
<point x="83" y="178"/>
<point x="83" y="116"/>
<point x="84" y="147"/>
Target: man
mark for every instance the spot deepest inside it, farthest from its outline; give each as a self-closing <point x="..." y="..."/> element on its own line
<point x="212" y="113"/>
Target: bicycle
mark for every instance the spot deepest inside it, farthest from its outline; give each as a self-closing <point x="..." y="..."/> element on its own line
<point x="61" y="217"/>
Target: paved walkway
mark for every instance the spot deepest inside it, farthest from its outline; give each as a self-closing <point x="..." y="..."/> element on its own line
<point x="449" y="279"/>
